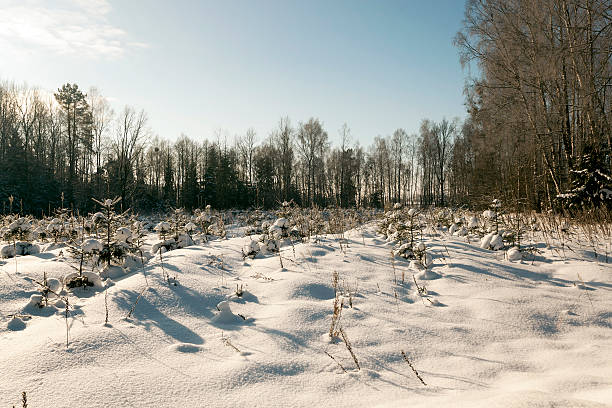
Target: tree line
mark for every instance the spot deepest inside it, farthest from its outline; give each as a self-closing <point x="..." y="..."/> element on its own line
<point x="62" y="150"/>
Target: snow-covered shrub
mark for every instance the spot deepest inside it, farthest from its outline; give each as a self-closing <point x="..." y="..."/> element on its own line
<point x="225" y="315"/>
<point x="84" y="280"/>
<point x="492" y="241"/>
<point x="488" y="214"/>
<point x="184" y="240"/>
<point x="26" y="248"/>
<point x="217" y="228"/>
<point x="92" y="246"/>
<point x="268" y="243"/>
<point x="39" y="233"/>
<point x="591" y="183"/>
<point x="164" y="246"/>
<point x="514" y="254"/>
<point x="20" y="229"/>
<point x="275" y="231"/>
<point x="281" y="225"/>
<point x="404" y="251"/>
<point x="460" y="232"/>
<point x="416" y="252"/>
<point x="180" y="231"/>
<point x="253" y="230"/>
<point x="473" y="223"/>
<point x="7" y="251"/>
<point x="407" y="225"/>
<point x="123" y="234"/>
<point x="190" y="228"/>
<point x="55" y="228"/>
<point x="204" y="219"/>
<point x="116" y="244"/>
<point x="163" y="229"/>
<point x="251" y="249"/>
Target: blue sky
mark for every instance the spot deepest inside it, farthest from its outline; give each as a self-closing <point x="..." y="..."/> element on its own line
<point x="197" y="67"/>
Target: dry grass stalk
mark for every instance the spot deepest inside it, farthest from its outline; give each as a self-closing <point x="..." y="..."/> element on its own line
<point x="334" y="329"/>
<point x="136" y="302"/>
<point x="67" y="325"/>
<point x="347" y="343"/>
<point x="336" y="361"/>
<point x="228" y="343"/>
<point x="393" y="265"/>
<point x="106" y="306"/>
<point x="413" y="369"/>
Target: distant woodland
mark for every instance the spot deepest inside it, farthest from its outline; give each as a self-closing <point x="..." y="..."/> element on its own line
<point x="537" y="136"/>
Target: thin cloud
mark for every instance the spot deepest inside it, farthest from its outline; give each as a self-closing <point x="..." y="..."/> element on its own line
<point x="77" y="27"/>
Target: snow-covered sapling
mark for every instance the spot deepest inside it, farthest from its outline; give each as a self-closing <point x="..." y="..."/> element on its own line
<point x="116" y="239"/>
<point x="163" y="229"/>
<point x="251" y="249"/>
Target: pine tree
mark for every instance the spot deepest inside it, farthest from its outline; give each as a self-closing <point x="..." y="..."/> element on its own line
<point x="591" y="186"/>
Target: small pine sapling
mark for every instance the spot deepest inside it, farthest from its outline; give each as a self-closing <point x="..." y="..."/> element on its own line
<point x="112" y="249"/>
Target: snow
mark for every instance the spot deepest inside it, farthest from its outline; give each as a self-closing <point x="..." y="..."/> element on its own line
<point x="488" y="214"/>
<point x="483" y="328"/>
<point x="492" y="241"/>
<point x="162" y="227"/>
<point x="7" y="251"/>
<point x="123" y="234"/>
<point x="514" y="254"/>
<point x="473" y="223"/>
<point x="91" y="245"/>
<point x="190" y="227"/>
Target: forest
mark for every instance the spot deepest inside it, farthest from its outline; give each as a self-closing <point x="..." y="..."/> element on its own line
<point x="537" y="136"/>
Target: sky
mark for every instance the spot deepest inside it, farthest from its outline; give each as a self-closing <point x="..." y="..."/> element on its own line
<point x="207" y="68"/>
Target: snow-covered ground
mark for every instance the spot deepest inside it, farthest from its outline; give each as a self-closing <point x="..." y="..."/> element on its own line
<point x="483" y="332"/>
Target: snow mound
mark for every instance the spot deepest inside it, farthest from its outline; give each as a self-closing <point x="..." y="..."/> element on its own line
<point x="91" y="245"/>
<point x="190" y="227"/>
<point x="184" y="241"/>
<point x="7" y="251"/>
<point x="123" y="234"/>
<point x="473" y="223"/>
<point x="514" y="254"/>
<point x="164" y="246"/>
<point x="112" y="272"/>
<point x="186" y="348"/>
<point x="132" y="262"/>
<point x="251" y="249"/>
<point x="35" y="301"/>
<point x="416" y="265"/>
<point x="16" y="324"/>
<point x="225" y="315"/>
<point x="492" y="241"/>
<point x="26" y="248"/>
<point x="162" y="227"/>
<point x="282" y="223"/>
<point x="427" y="274"/>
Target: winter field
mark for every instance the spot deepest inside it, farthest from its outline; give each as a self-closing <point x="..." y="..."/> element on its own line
<point x="297" y="308"/>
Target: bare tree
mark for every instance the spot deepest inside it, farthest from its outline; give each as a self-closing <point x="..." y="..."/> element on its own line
<point x="131" y="132"/>
<point x="312" y="142"/>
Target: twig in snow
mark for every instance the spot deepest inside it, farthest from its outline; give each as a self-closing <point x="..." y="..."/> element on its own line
<point x="413" y="369"/>
<point x="347" y="343"/>
<point x="336" y="361"/>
